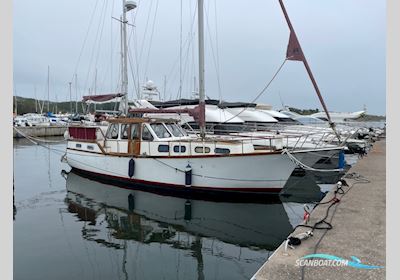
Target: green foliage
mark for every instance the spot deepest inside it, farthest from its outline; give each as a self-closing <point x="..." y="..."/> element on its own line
<point x="304" y="111"/>
<point x="23" y="105"/>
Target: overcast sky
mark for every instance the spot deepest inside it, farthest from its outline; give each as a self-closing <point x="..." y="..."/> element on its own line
<point x="343" y="40"/>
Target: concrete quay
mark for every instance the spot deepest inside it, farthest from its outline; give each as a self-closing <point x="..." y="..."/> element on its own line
<point x="359" y="229"/>
<point x="39" y="131"/>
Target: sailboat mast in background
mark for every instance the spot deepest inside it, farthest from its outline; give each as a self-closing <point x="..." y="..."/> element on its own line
<point x="48" y="88"/>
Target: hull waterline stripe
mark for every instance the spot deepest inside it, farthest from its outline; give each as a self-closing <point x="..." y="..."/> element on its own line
<point x="174" y="186"/>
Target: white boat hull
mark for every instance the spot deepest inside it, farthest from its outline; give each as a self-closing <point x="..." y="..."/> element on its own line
<point x="268" y="172"/>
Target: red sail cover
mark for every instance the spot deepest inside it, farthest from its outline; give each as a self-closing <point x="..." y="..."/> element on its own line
<point x="294" y="51"/>
<point x="101" y="98"/>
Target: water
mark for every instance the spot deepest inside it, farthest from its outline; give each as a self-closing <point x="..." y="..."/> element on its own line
<point x="68" y="227"/>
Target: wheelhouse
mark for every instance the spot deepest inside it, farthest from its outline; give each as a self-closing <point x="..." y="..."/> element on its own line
<point x="150" y="137"/>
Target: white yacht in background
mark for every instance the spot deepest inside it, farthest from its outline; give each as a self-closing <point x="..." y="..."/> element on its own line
<point x="340" y="117"/>
<point x="34" y="119"/>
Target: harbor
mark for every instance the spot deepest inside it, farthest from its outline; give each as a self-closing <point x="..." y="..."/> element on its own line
<point x="97" y="230"/>
<point x="108" y="230"/>
<point x="358" y="228"/>
<point x="187" y="177"/>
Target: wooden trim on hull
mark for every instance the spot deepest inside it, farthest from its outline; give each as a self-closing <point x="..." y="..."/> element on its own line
<point x="251" y="195"/>
<point x="185" y="156"/>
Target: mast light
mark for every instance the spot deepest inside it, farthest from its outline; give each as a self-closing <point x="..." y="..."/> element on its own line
<point x="130" y="5"/>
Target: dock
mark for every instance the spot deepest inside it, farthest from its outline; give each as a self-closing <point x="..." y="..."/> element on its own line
<point x="359" y="229"/>
<point x="39" y="131"/>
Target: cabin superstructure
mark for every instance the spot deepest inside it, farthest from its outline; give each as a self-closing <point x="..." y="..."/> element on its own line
<point x="155" y="137"/>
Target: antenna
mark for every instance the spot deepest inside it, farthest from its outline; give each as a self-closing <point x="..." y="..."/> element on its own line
<point x="280" y="97"/>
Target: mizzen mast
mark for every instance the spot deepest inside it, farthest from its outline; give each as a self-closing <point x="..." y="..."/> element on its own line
<point x="295" y="52"/>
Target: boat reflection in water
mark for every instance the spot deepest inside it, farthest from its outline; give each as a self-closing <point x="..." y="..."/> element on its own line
<point x="237" y="236"/>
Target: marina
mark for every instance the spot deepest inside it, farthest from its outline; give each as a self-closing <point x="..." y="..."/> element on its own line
<point x="189" y="186"/>
<point x="63" y="220"/>
<point x="105" y="230"/>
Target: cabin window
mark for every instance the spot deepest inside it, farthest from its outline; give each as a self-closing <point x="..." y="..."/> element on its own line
<point x="222" y="151"/>
<point x="78" y="145"/>
<point x="90" y="147"/>
<point x="124" y="131"/>
<point x="135" y="131"/>
<point x="179" y="149"/>
<point x="163" y="148"/>
<point x="202" y="150"/>
<point x="160" y="130"/>
<point x="146" y="135"/>
<point x="173" y="128"/>
<point x="112" y="132"/>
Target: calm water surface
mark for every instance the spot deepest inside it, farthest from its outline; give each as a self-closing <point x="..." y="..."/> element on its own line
<point x="69" y="227"/>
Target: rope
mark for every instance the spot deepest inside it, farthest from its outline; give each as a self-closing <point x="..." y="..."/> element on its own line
<point x="359" y="180"/>
<point x="306" y="167"/>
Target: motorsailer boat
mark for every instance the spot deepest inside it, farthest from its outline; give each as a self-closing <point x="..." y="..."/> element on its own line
<point x="157" y="155"/>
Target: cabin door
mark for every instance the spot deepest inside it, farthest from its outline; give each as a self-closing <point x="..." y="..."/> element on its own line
<point x="134" y="139"/>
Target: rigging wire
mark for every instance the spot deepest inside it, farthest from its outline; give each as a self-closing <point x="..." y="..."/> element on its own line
<point x="216" y="63"/>
<point x="132" y="70"/>
<point x="145" y="30"/>
<point x="217" y="50"/>
<point x="151" y="39"/>
<point x="111" y="46"/>
<point x="176" y="61"/>
<point x="85" y="39"/>
<point x="102" y="18"/>
<point x="98" y="50"/>
<point x="261" y="92"/>
<point x="180" y="53"/>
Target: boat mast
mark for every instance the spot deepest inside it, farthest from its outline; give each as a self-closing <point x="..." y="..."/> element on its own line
<point x="299" y="55"/>
<point x="202" y="105"/>
<point x="70" y="98"/>
<point x="127" y="6"/>
<point x="76" y="93"/>
<point x="36" y="102"/>
<point x="125" y="79"/>
<point x="48" y="88"/>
